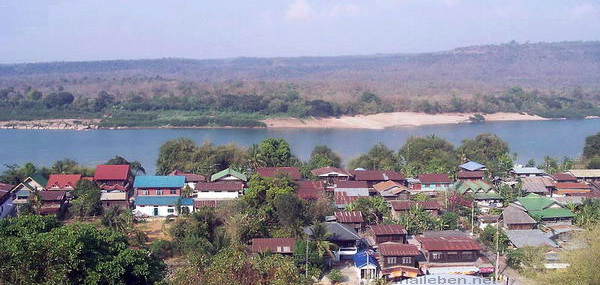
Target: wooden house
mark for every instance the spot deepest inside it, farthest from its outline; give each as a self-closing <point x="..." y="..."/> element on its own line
<point x="373" y="177"/>
<point x="398" y="260"/>
<point x="353" y="219"/>
<point x="113" y="177"/>
<point x="388" y="233"/>
<point x="400" y="208"/>
<point x="331" y="175"/>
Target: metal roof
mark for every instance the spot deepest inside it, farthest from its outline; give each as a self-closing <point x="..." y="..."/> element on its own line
<point x="362" y="259"/>
<point x="338" y="231"/>
<point x="349" y="217"/>
<point x="228" y="172"/>
<point x="398" y="249"/>
<point x="472" y="166"/>
<point x="527" y="170"/>
<point x="159" y="182"/>
<point x="388" y="230"/>
<point x="521" y="238"/>
<point x="162" y="200"/>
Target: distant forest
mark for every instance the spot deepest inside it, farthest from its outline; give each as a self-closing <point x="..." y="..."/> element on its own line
<point x="546" y="79"/>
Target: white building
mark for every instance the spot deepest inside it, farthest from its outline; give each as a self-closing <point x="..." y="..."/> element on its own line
<point x="162" y="206"/>
<point x="219" y="190"/>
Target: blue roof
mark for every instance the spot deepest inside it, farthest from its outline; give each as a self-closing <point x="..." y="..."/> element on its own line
<point x="472" y="166"/>
<point x="162" y="200"/>
<point x="360" y="259"/>
<point x="159" y="182"/>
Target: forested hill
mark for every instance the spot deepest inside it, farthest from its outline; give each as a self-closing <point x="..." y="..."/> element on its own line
<point x="462" y="71"/>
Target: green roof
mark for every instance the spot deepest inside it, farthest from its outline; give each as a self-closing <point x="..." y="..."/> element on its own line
<point x="554" y="213"/>
<point x="485" y="196"/>
<point x="473" y="186"/>
<point x="40" y="179"/>
<point x="534" y="202"/>
<point x="226" y="172"/>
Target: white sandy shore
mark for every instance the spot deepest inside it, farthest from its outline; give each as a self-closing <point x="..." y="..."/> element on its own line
<point x="388" y="120"/>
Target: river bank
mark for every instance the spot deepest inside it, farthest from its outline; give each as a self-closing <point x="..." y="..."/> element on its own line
<point x="373" y="122"/>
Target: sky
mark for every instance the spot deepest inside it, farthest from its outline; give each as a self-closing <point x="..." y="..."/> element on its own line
<point x="74" y="30"/>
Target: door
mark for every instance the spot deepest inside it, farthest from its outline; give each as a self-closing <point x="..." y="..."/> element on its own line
<point x="156" y="211"/>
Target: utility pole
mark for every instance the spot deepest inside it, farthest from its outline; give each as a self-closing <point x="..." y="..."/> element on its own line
<point x="497" y="251"/>
<point x="306" y="261"/>
<point x="472" y="217"/>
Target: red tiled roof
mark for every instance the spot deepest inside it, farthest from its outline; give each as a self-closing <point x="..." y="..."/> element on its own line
<point x="7" y="187"/>
<point x="434" y="178"/>
<point x="564" y="177"/>
<point x="572" y="185"/>
<point x="406" y="205"/>
<point x="448" y="243"/>
<point x="398" y="249"/>
<point x="230" y="186"/>
<point x="470" y="174"/>
<point x="189" y="177"/>
<point x="275" y="245"/>
<point x="349" y="217"/>
<point x="351" y="184"/>
<point x="376" y="175"/>
<point x="52" y="195"/>
<point x="291" y="172"/>
<point x="63" y="181"/>
<point x="111" y="172"/>
<point x="206" y="203"/>
<point x="342" y="198"/>
<point x="324" y="170"/>
<point x="388" y="230"/>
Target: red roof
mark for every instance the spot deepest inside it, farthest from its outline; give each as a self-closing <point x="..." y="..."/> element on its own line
<point x="564" y="177"/>
<point x="309" y="193"/>
<point x="63" y="181"/>
<point x="572" y="185"/>
<point x="349" y="217"/>
<point x="434" y="178"/>
<point x="398" y="249"/>
<point x="112" y="172"/>
<point x="7" y="187"/>
<point x="53" y="195"/>
<point x="470" y="174"/>
<point x="407" y="205"/>
<point x="206" y="203"/>
<point x="376" y="175"/>
<point x="189" y="177"/>
<point x="291" y="172"/>
<point x="325" y="170"/>
<point x="379" y="230"/>
<point x="275" y="245"/>
<point x="342" y="198"/>
<point x="448" y="243"/>
<point x="230" y="186"/>
<point x="351" y="184"/>
<point x="112" y="187"/>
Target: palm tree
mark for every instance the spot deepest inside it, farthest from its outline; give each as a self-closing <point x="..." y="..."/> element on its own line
<point x="321" y="236"/>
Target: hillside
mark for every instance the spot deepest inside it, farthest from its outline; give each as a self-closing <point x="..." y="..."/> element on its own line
<point x="462" y="71"/>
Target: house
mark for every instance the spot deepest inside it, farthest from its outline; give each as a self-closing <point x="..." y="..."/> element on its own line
<point x="283" y="246"/>
<point x="586" y="175"/>
<point x="6" y="200"/>
<point x="228" y="175"/>
<point x="114" y="199"/>
<point x="472" y="166"/>
<point x="387" y="233"/>
<point x="486" y="220"/>
<point x="398" y="260"/>
<point x="352" y="188"/>
<point x="545" y="209"/>
<point x="531" y="237"/>
<point x="572" y="188"/>
<point x="353" y="219"/>
<point x="453" y="254"/>
<point x="162" y="206"/>
<point x="373" y="177"/>
<point x="63" y="182"/>
<point x="541" y="185"/>
<point x="434" y="181"/>
<point x="400" y="208"/>
<point x="343" y="236"/>
<point x="331" y="175"/>
<point x="366" y="266"/>
<point x="527" y="172"/>
<point x="293" y="173"/>
<point x="563" y="177"/>
<point x="113" y="177"/>
<point x="484" y="194"/>
<point x="35" y="182"/>
<point x="158" y="185"/>
<point x="515" y="217"/>
<point x="52" y="202"/>
<point x="310" y="190"/>
<point x="391" y="190"/>
<point x="470" y="175"/>
<point x="191" y="179"/>
<point x="222" y="190"/>
<point x="341" y="199"/>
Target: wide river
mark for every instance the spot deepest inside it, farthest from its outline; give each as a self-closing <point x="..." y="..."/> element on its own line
<point x="529" y="139"/>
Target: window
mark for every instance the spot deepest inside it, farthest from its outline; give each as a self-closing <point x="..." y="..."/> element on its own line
<point x="436" y="255"/>
<point x="144" y="192"/>
<point x="406" y="260"/>
<point x="391" y="260"/>
<point x="173" y="192"/>
<point x="170" y="210"/>
<point x="452" y="255"/>
<point x="159" y="192"/>
<point x="467" y="255"/>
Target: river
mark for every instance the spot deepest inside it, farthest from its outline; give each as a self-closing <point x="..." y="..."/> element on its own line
<point x="529" y="139"/>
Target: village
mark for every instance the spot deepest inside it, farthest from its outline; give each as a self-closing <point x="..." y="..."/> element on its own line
<point x="389" y="243"/>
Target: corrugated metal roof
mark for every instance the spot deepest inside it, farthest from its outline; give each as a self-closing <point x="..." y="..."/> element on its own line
<point x="330" y="170"/>
<point x="111" y="172"/>
<point x="362" y="259"/>
<point x="162" y="200"/>
<point x="434" y="178"/>
<point x="349" y="217"/>
<point x="275" y="245"/>
<point x="228" y="172"/>
<point x="398" y="249"/>
<point x="159" y="182"/>
<point x="448" y="243"/>
<point x="585" y="173"/>
<point x="388" y="230"/>
<point x="117" y="196"/>
<point x="472" y="166"/>
<point x="521" y="238"/>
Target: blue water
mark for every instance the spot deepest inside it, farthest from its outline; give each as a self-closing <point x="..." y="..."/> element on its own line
<point x="529" y="139"/>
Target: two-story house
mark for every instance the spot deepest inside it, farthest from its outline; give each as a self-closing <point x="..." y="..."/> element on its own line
<point x="450" y="254"/>
<point x="398" y="260"/>
<point x="160" y="196"/>
<point x="113" y="177"/>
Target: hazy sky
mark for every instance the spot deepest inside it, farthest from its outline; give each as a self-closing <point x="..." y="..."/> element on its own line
<point x="57" y="30"/>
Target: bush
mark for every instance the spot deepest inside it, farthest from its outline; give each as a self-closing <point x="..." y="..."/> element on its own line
<point x="162" y="248"/>
<point x="335" y="276"/>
